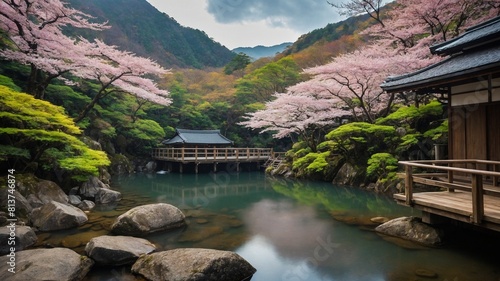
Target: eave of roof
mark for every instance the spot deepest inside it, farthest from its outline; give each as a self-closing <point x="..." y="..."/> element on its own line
<point x="453" y="68"/>
<point x="474" y="53"/>
<point x="478" y="35"/>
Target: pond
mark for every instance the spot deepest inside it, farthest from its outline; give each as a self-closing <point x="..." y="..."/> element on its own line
<point x="288" y="230"/>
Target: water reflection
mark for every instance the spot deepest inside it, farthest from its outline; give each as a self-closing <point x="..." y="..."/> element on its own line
<point x="291" y="230"/>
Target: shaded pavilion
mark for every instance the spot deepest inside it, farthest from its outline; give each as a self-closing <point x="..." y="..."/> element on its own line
<point x="470" y="78"/>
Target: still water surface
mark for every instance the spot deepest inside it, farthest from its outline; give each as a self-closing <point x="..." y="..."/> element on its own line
<point x="291" y="230"/>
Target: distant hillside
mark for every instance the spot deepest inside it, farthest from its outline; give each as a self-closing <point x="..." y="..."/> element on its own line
<point x="329" y="33"/>
<point x="258" y="52"/>
<point x="139" y="27"/>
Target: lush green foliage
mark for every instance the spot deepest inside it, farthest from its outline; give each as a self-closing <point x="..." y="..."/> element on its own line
<point x="408" y="133"/>
<point x="239" y="62"/>
<point x="36" y="133"/>
<point x="382" y="166"/>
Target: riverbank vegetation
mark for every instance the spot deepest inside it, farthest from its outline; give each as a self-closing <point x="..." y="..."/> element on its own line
<point x="94" y="106"/>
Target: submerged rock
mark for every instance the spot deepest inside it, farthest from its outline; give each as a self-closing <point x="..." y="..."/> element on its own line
<point x="413" y="229"/>
<point x="56" y="216"/>
<point x="117" y="250"/>
<point x="146" y="219"/>
<point x="194" y="264"/>
<point x="47" y="264"/>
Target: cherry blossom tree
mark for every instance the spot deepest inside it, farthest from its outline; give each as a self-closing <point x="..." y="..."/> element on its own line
<point x="297" y="114"/>
<point x="355" y="7"/>
<point x="35" y="30"/>
<point x="116" y="70"/>
<point x="400" y="44"/>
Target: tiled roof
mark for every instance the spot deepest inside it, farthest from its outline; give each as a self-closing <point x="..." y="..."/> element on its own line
<point x="475" y="51"/>
<point x="478" y="35"/>
<point x="207" y="137"/>
<point x="453" y="67"/>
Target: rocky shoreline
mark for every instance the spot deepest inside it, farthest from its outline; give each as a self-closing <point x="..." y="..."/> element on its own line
<point x="42" y="208"/>
<point x="91" y="234"/>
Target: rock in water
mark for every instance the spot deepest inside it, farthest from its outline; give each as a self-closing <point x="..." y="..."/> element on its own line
<point x="25" y="237"/>
<point x="411" y="228"/>
<point x="117" y="250"/>
<point x="107" y="196"/>
<point x="56" y="216"/>
<point x="146" y="219"/>
<point x="194" y="264"/>
<point x="46" y="264"/>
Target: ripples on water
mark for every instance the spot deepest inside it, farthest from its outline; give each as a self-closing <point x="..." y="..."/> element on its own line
<point x="288" y="230"/>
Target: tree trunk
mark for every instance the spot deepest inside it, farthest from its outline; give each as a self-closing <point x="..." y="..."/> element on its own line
<point x="89" y="106"/>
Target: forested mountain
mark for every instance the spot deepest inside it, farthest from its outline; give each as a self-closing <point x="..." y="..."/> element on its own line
<point x="260" y="51"/>
<point x="139" y="27"/>
<point x="329" y="33"/>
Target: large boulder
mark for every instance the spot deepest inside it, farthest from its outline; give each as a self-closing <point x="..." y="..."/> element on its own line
<point x="117" y="250"/>
<point x="56" y="216"/>
<point x="413" y="229"/>
<point x="45" y="264"/>
<point x="23" y="207"/>
<point x="146" y="219"/>
<point x="194" y="264"/>
<point x="23" y="237"/>
<point x="91" y="187"/>
<point x="107" y="196"/>
<point x="39" y="192"/>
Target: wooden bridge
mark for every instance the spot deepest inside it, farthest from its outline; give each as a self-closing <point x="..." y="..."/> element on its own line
<point x="471" y="190"/>
<point x="213" y="155"/>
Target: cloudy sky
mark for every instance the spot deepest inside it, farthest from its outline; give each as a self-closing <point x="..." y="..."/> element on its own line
<point x="248" y="23"/>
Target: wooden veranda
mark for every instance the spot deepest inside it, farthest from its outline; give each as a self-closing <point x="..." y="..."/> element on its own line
<point x="469" y="190"/>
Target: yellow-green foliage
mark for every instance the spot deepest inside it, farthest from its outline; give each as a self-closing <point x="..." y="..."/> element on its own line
<point x="147" y="130"/>
<point x="411" y="114"/>
<point x="383" y="166"/>
<point x="41" y="132"/>
<point x="24" y="111"/>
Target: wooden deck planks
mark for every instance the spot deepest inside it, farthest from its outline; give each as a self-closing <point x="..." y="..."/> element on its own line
<point x="458" y="202"/>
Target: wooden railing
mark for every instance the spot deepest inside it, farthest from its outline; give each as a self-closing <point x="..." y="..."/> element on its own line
<point x="212" y="154"/>
<point x="476" y="179"/>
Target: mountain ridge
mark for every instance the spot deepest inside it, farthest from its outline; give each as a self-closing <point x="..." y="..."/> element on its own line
<point x="139" y="27"/>
<point x="261" y="51"/>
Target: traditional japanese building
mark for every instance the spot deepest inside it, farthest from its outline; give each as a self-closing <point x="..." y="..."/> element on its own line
<point x="198" y="138"/>
<point x="208" y="149"/>
<point x="470" y="77"/>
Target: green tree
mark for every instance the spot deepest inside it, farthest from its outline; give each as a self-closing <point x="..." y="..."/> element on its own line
<point x="39" y="135"/>
<point x="239" y="62"/>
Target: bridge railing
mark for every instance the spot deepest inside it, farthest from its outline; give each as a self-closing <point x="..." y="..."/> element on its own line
<point x="212" y="154"/>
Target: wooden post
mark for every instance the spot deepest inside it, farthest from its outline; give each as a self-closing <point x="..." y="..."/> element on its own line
<point x="496" y="178"/>
<point x="477" y="199"/>
<point x="409" y="185"/>
<point x="450" y="177"/>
